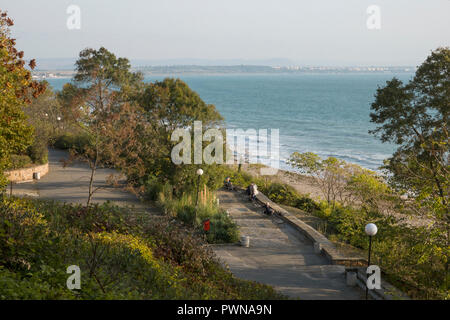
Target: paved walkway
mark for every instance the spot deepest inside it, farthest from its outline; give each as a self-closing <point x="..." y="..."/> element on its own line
<point x="279" y="255"/>
<point x="71" y="184"/>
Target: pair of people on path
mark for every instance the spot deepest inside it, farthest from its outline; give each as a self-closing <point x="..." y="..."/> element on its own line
<point x="227" y="183"/>
<point x="252" y="191"/>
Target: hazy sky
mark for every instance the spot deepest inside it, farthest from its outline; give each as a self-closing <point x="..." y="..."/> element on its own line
<point x="319" y="32"/>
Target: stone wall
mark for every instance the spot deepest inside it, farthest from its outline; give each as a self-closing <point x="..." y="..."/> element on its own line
<point x="26" y="174"/>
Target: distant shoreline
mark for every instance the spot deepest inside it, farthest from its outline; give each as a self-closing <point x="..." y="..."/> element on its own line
<point x="40" y="75"/>
<point x="238" y="70"/>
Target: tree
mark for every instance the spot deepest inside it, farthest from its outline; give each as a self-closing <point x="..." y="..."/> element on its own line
<point x="331" y="175"/>
<point x="100" y="104"/>
<point x="170" y="104"/>
<point x="44" y="114"/>
<point x="16" y="90"/>
<point x="367" y="190"/>
<point x="415" y="117"/>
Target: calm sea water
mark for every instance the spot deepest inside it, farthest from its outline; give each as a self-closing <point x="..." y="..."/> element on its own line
<point x="327" y="114"/>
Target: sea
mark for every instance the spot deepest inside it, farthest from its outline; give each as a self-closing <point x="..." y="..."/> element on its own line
<point x="328" y="114"/>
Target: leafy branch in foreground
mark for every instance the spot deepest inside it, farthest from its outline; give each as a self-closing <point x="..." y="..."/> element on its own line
<point x="16" y="90"/>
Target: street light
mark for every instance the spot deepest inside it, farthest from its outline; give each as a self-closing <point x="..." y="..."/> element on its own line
<point x="371" y="230"/>
<point x="58" y="123"/>
<point x="199" y="174"/>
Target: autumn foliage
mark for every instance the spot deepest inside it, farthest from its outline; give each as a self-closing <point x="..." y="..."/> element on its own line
<point x="16" y="90"/>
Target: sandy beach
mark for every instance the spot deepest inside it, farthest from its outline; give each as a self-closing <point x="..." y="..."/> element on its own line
<point x="305" y="185"/>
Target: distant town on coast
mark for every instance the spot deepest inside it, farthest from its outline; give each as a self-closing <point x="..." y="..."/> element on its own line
<point x="246" y="69"/>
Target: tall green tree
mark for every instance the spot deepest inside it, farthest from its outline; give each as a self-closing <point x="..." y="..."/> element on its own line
<point x="100" y="101"/>
<point x="415" y="117"/>
<point x="168" y="105"/>
<point x="16" y="90"/>
<point x="102" y="73"/>
<point x="173" y="104"/>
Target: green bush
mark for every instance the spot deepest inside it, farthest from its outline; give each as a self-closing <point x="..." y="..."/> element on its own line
<point x="38" y="151"/>
<point x="14" y="286"/>
<point x="68" y="141"/>
<point x="222" y="230"/>
<point x="186" y="214"/>
<point x="19" y="161"/>
<point x="64" y="142"/>
<point x="280" y="193"/>
<point x="153" y="187"/>
<point x="307" y="204"/>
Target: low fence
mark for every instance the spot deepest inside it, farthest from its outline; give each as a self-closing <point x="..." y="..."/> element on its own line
<point x="27" y="174"/>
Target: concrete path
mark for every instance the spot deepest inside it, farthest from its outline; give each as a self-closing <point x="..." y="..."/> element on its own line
<point x="71" y="184"/>
<point x="279" y="255"/>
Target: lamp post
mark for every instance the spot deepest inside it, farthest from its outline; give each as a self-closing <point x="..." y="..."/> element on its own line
<point x="199" y="174"/>
<point x="59" y="122"/>
<point x="371" y="230"/>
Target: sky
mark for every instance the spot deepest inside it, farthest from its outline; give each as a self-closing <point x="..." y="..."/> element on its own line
<point x="319" y="32"/>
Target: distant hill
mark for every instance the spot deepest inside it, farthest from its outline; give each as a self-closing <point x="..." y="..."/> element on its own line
<point x="46" y="64"/>
<point x="212" y="62"/>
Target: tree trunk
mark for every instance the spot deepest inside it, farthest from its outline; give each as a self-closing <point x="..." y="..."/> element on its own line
<point x="91" y="183"/>
<point x="93" y="169"/>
